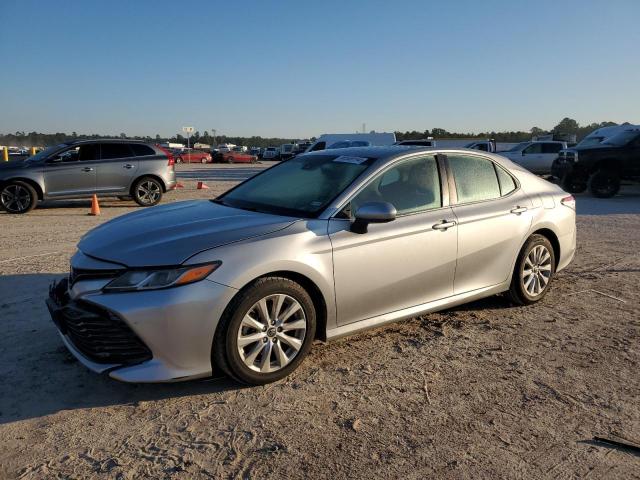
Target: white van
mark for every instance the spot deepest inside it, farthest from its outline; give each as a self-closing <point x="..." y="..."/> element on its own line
<point x="375" y="139"/>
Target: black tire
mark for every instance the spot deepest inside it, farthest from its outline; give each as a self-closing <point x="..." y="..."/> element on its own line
<point x="18" y="197"/>
<point x="225" y="352"/>
<point x="604" y="184"/>
<point x="178" y="159"/>
<point x="203" y="160"/>
<point x="573" y="183"/>
<point x="150" y="184"/>
<point x="518" y="291"/>
<point x="230" y="159"/>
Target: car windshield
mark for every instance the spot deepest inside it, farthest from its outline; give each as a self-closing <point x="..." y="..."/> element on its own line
<point x="518" y="147"/>
<point x="44" y="153"/>
<point x="300" y="187"/>
<point x="621" y="139"/>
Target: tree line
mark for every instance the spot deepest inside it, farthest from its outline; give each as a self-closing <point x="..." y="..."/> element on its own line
<point x="566" y="125"/>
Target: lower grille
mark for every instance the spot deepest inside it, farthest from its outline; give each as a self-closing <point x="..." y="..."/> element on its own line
<point x="100" y="335"/>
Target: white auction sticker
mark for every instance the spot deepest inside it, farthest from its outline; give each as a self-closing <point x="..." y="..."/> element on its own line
<point x="348" y="159"/>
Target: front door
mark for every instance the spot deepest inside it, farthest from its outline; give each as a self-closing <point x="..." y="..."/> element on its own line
<point x="117" y="168"/>
<point x="400" y="264"/>
<point x="72" y="172"/>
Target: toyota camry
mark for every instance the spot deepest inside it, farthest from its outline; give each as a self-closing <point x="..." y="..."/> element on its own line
<point x="321" y="246"/>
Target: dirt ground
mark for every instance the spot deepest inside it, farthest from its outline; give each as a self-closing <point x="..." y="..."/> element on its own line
<point x="485" y="390"/>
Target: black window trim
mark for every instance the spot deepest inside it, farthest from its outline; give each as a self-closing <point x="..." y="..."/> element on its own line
<point x="452" y="184"/>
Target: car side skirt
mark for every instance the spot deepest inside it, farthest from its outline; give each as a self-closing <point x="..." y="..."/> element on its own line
<point x="421" y="309"/>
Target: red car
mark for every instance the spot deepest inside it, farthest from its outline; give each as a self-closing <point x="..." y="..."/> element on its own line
<point x="238" y="157"/>
<point x="192" y="156"/>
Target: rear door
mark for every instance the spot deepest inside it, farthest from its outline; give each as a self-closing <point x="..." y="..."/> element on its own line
<point x="550" y="151"/>
<point x="72" y="172"/>
<point x="117" y="168"/>
<point x="493" y="216"/>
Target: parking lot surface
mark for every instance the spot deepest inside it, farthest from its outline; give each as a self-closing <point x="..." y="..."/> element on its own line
<point x="483" y="390"/>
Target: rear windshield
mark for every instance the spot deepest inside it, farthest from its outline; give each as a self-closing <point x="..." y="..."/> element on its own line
<point x="303" y="186"/>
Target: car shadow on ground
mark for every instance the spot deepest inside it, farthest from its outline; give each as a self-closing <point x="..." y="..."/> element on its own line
<point x="626" y="202"/>
<point x="40" y="377"/>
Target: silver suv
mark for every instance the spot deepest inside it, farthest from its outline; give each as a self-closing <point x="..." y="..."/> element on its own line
<point x="119" y="168"/>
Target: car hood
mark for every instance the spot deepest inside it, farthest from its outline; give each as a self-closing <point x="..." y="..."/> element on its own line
<point x="170" y="234"/>
<point x="595" y="148"/>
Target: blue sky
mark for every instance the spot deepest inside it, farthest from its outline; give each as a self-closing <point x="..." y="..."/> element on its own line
<point x="297" y="69"/>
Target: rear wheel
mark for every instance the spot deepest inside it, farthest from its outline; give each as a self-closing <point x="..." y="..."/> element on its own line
<point x="18" y="197"/>
<point x="204" y="160"/>
<point x="147" y="192"/>
<point x="604" y="184"/>
<point x="124" y="198"/>
<point x="533" y="272"/>
<point x="178" y="159"/>
<point x="265" y="332"/>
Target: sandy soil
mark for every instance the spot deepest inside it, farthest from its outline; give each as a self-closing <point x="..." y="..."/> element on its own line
<point x="485" y="390"/>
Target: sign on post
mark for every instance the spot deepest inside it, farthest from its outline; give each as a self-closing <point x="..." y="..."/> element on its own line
<point x="188" y="131"/>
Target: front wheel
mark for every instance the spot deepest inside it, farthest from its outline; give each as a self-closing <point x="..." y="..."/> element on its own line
<point x="203" y="160"/>
<point x="573" y="184"/>
<point x="18" y="197"/>
<point x="604" y="184"/>
<point x="265" y="332"/>
<point x="147" y="192"/>
<point x="179" y="160"/>
<point x="533" y="272"/>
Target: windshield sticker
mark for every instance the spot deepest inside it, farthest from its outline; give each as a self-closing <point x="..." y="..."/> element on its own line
<point x="348" y="159"/>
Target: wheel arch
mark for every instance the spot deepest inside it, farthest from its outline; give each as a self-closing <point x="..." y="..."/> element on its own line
<point x="37" y="187"/>
<point x="553" y="239"/>
<point x="319" y="302"/>
<point x="147" y="175"/>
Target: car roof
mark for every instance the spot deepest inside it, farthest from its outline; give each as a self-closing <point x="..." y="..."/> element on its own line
<point x="104" y="140"/>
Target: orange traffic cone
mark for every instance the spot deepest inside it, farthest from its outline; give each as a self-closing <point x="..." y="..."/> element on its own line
<point x="202" y="186"/>
<point x="95" y="207"/>
<point x="178" y="185"/>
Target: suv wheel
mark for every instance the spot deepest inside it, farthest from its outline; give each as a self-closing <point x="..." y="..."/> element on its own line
<point x="265" y="332"/>
<point x="533" y="272"/>
<point x="604" y="184"/>
<point x="147" y="192"/>
<point x="573" y="183"/>
<point x="18" y="197"/>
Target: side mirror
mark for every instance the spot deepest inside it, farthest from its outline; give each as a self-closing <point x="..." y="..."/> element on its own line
<point x="372" y="212"/>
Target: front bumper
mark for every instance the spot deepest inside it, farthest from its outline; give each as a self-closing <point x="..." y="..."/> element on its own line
<point x="149" y="336"/>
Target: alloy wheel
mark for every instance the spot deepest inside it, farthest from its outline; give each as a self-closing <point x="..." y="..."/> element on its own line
<point x="271" y="333"/>
<point x="537" y="270"/>
<point x="15" y="198"/>
<point x="148" y="192"/>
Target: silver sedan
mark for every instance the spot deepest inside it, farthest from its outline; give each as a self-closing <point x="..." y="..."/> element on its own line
<point x="317" y="247"/>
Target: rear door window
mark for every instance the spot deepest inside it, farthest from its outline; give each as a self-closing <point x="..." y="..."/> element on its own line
<point x="115" y="150"/>
<point x="141" y="150"/>
<point x="507" y="184"/>
<point x="475" y="178"/>
<point x="551" y="147"/>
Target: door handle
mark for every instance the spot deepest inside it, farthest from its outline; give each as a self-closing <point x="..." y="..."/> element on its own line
<point x="87" y="169"/>
<point x="519" y="210"/>
<point x="128" y="166"/>
<point x="443" y="225"/>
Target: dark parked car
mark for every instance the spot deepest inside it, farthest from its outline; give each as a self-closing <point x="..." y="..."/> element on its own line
<point x="600" y="167"/>
<point x="81" y="168"/>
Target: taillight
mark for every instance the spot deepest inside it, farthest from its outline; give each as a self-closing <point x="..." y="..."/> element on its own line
<point x="569" y="202"/>
<point x="172" y="160"/>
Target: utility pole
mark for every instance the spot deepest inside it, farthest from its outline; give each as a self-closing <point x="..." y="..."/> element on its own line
<point x="214" y="137"/>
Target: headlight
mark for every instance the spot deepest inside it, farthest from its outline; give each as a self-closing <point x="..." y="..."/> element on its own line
<point x="160" y="277"/>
